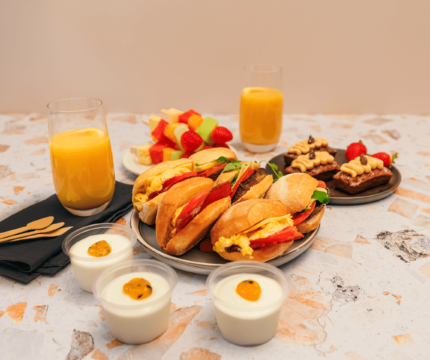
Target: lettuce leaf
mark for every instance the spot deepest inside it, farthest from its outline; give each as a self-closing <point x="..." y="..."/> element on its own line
<point x="321" y="196"/>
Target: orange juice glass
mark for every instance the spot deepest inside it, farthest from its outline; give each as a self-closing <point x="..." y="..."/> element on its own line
<point x="261" y="105"/>
<point x="81" y="155"/>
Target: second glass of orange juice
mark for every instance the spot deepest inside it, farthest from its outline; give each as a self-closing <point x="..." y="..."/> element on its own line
<point x="261" y="106"/>
<point x="81" y="155"/>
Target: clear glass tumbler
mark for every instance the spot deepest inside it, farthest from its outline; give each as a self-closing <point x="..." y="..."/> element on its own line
<point x="261" y="105"/>
<point x="134" y="321"/>
<point x="81" y="155"/>
<point x="242" y="322"/>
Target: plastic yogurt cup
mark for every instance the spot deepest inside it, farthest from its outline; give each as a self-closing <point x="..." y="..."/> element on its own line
<point x="136" y="321"/>
<point x="242" y="321"/>
<point x="110" y="244"/>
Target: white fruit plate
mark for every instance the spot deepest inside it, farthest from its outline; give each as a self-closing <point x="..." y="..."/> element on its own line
<point x="131" y="162"/>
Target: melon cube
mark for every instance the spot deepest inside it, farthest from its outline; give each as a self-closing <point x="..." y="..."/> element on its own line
<point x="206" y="128"/>
<point x="166" y="153"/>
<point x="195" y="121"/>
<point x="178" y="133"/>
<point x="169" y="131"/>
<point x="176" y="154"/>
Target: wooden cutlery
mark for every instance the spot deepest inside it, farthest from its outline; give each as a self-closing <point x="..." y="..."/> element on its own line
<point x="41" y="228"/>
<point x="35" y="225"/>
<point x="54" y="233"/>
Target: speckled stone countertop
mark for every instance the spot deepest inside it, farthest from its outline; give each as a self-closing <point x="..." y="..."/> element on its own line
<point x="362" y="291"/>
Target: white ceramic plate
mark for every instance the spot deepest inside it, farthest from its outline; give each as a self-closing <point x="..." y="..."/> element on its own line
<point x="198" y="262"/>
<point x="131" y="162"/>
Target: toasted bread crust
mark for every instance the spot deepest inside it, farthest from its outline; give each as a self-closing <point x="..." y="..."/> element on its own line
<point x="139" y="184"/>
<point x="206" y="156"/>
<point x="197" y="229"/>
<point x="244" y="215"/>
<point x="295" y="191"/>
<point x="311" y="223"/>
<point x="263" y="254"/>
<point x="176" y="197"/>
<point x="226" y="177"/>
<point x="257" y="191"/>
<point x="149" y="210"/>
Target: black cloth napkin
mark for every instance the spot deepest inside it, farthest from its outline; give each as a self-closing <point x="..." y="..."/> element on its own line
<point x="23" y="261"/>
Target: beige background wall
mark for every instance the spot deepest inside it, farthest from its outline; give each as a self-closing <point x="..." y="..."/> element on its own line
<point x="339" y="56"/>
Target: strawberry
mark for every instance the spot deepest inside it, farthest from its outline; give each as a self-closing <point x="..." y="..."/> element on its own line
<point x="386" y="158"/>
<point x="207" y="147"/>
<point x="221" y="145"/>
<point x="221" y="135"/>
<point x="191" y="141"/>
<point x="206" y="245"/>
<point x="354" y="150"/>
<point x="187" y="154"/>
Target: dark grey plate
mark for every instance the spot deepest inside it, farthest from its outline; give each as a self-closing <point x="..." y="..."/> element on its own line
<point x="203" y="263"/>
<point x="339" y="197"/>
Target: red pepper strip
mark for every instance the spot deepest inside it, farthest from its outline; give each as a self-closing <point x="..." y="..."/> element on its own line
<point x="170" y="182"/>
<point x="217" y="193"/>
<point x="321" y="184"/>
<point x="209" y="172"/>
<point x="174" y="180"/>
<point x="188" y="211"/>
<point x="245" y="176"/>
<point x="299" y="218"/>
<point x="199" y="202"/>
<point x="286" y="235"/>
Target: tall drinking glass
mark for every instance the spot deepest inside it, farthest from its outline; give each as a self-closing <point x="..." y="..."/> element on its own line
<point x="81" y="155"/>
<point x="261" y="106"/>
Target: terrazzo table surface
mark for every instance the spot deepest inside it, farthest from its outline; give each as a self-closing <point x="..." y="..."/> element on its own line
<point x="362" y="291"/>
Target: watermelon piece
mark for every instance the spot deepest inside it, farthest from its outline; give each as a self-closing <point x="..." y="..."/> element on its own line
<point x="183" y="118"/>
<point x="157" y="152"/>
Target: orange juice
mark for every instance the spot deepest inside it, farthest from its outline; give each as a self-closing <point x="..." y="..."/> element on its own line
<point x="260" y="115"/>
<point x="82" y="168"/>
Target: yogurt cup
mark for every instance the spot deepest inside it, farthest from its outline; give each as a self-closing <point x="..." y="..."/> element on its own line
<point x="87" y="268"/>
<point x="243" y="322"/>
<point x="136" y="321"/>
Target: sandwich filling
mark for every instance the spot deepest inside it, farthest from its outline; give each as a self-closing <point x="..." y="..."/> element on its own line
<point x="272" y="230"/>
<point x="265" y="229"/>
<point x="186" y="213"/>
<point x="202" y="168"/>
<point x="156" y="184"/>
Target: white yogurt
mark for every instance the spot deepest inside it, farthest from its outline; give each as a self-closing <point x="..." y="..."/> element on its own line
<point x="87" y="268"/>
<point x="244" y="322"/>
<point x="137" y="321"/>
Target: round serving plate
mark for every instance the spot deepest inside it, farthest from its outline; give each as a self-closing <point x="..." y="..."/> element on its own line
<point x="199" y="262"/>
<point x="339" y="197"/>
<point x="131" y="162"/>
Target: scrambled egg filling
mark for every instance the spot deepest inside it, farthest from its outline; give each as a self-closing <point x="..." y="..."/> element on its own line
<point x="261" y="230"/>
<point x="177" y="212"/>
<point x="156" y="184"/>
<point x="208" y="166"/>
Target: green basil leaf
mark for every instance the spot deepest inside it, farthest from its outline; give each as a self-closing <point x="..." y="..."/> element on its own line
<point x="197" y="164"/>
<point x="236" y="165"/>
<point x="278" y="174"/>
<point x="321" y="196"/>
<point x="223" y="159"/>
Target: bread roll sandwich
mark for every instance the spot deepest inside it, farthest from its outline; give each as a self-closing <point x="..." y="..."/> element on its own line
<point x="187" y="212"/>
<point x="258" y="230"/>
<point x="304" y="196"/>
<point x="150" y="187"/>
<point x="252" y="182"/>
<point x="210" y="163"/>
